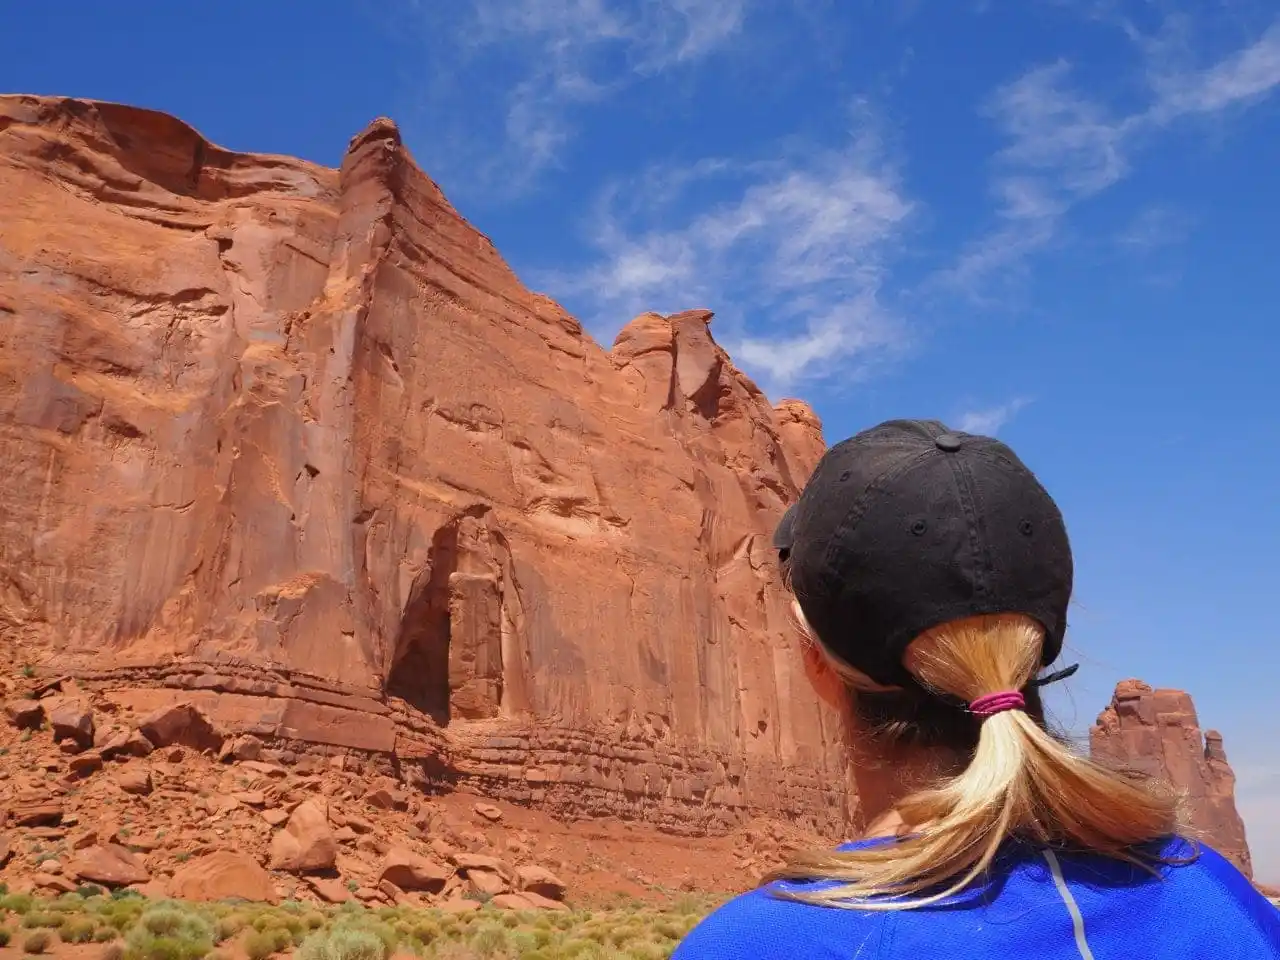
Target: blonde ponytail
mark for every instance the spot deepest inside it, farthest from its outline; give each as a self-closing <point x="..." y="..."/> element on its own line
<point x="1021" y="782"/>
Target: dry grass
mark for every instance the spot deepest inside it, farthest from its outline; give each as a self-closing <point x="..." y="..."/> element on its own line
<point x="132" y="928"/>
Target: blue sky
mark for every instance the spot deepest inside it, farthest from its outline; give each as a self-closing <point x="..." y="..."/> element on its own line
<point x="1051" y="219"/>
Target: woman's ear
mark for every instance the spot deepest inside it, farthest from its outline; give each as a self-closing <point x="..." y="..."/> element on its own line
<point x="822" y="676"/>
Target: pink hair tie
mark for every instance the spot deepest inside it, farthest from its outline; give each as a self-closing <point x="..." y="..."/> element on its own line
<point x="994" y="703"/>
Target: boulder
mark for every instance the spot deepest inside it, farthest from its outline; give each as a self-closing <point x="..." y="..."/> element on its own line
<point x="408" y="871"/>
<point x="306" y="843"/>
<point x="526" y="900"/>
<point x="182" y="724"/>
<point x="110" y="865"/>
<point x="539" y="880"/>
<point x="222" y="875"/>
<point x="71" y="720"/>
<point x="24" y="713"/>
<point x="135" y="780"/>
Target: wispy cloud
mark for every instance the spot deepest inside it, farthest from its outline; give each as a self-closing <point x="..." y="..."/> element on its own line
<point x="1064" y="147"/>
<point x="793" y="261"/>
<point x="1154" y="227"/>
<point x="548" y="59"/>
<point x="988" y="421"/>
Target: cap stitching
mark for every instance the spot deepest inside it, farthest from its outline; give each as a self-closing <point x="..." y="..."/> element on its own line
<point x="977" y="531"/>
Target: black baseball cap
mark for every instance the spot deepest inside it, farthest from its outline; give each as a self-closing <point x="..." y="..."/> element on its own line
<point x="909" y="525"/>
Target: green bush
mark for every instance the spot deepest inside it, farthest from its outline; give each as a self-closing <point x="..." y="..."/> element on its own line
<point x="169" y="932"/>
<point x="5" y="936"/>
<point x="105" y="934"/>
<point x="78" y="930"/>
<point x="489" y="940"/>
<point x="344" y="943"/>
<point x="38" y="941"/>
<point x="227" y="927"/>
<point x="19" y="903"/>
<point x="113" y="951"/>
<point x="43" y="918"/>
<point x="261" y="944"/>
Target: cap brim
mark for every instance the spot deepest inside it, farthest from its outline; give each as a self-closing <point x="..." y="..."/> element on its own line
<point x="784" y="532"/>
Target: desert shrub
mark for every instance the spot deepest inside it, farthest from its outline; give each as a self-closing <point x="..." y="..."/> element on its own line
<point x="105" y="934"/>
<point x="38" y="941"/>
<point x="344" y="943"/>
<point x="313" y="920"/>
<point x="87" y="891"/>
<point x="5" y="936"/>
<point x="19" y="903"/>
<point x="112" y="951"/>
<point x="78" y="930"/>
<point x="43" y="918"/>
<point x="122" y="914"/>
<point x="224" y="928"/>
<point x="169" y="932"/>
<point x="261" y="944"/>
<point x="489" y="940"/>
<point x="426" y="931"/>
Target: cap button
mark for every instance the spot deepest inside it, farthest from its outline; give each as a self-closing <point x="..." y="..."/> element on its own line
<point x="947" y="442"/>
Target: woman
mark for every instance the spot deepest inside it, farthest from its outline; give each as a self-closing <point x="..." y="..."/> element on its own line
<point x="931" y="574"/>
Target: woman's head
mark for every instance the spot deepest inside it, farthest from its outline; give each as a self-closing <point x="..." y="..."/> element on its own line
<point x="931" y="574"/>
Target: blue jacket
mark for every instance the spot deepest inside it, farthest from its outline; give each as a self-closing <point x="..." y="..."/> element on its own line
<point x="1038" y="906"/>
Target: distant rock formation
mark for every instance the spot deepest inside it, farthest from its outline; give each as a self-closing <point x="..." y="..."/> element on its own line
<point x="295" y="446"/>
<point x="1157" y="733"/>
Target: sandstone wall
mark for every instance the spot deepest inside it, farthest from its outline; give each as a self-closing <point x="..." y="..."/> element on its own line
<point x="1158" y="733"/>
<point x="296" y="443"/>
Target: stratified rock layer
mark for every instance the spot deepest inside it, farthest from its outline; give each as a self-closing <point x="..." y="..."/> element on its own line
<point x="293" y="445"/>
<point x="1156" y="732"/>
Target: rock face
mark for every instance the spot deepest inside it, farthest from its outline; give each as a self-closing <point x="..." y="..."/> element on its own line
<point x="1157" y="733"/>
<point x="294" y="446"/>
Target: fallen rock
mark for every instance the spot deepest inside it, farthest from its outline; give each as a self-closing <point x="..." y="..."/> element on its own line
<point x="23" y="713"/>
<point x="329" y="889"/>
<point x="526" y="900"/>
<point x="6" y="850"/>
<point x="86" y="764"/>
<point x="487" y="883"/>
<point x="49" y="881"/>
<point x="36" y="814"/>
<point x="182" y="724"/>
<point x="222" y="875"/>
<point x="473" y="862"/>
<point x="457" y="905"/>
<point x="385" y="798"/>
<point x="267" y="769"/>
<point x="358" y="824"/>
<point x="408" y="871"/>
<point x="134" y="780"/>
<point x="71" y="720"/>
<point x="275" y="817"/>
<point x="306" y="843"/>
<point x="153" y="889"/>
<point x="539" y="880"/>
<point x="124" y="743"/>
<point x="110" y="865"/>
<point x="489" y="812"/>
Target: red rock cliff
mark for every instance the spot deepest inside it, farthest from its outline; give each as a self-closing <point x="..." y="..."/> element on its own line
<point x="295" y="444"/>
<point x="1157" y="733"/>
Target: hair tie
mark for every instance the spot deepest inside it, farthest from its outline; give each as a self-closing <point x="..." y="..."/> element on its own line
<point x="994" y="703"/>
